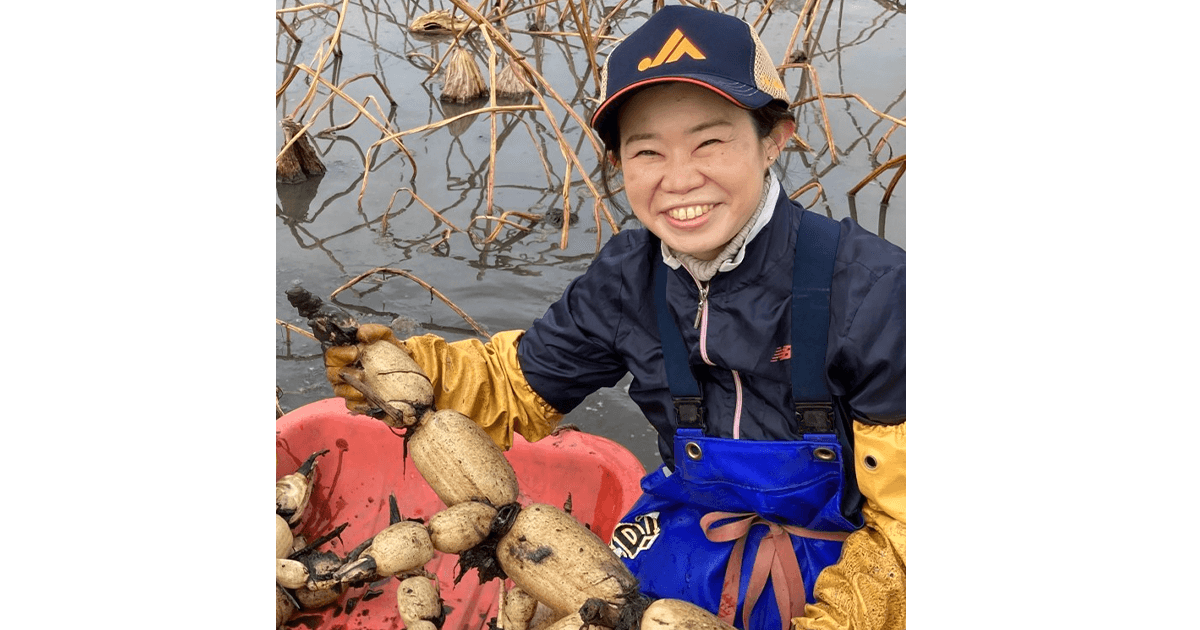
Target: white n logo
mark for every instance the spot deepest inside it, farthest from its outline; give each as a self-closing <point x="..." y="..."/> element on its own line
<point x="677" y="46"/>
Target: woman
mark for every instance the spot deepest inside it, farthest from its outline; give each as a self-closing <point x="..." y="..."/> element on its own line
<point x="766" y="345"/>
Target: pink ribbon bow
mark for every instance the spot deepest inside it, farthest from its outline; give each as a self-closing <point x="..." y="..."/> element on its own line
<point x="776" y="558"/>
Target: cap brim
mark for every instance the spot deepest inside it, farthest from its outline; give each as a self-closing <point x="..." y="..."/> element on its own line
<point x="738" y="93"/>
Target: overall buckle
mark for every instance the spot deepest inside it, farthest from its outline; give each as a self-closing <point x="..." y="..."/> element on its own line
<point x="814" y="417"/>
<point x="690" y="412"/>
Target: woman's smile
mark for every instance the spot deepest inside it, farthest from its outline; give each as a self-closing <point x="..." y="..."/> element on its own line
<point x="688" y="213"/>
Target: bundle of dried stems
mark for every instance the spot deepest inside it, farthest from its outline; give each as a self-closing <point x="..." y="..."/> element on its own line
<point x="463" y="82"/>
<point x="508" y="85"/>
<point x="299" y="160"/>
<point x="440" y="22"/>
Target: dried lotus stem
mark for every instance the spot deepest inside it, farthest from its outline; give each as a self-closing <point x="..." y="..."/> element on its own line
<point x="896" y="122"/>
<point x="568" y="154"/>
<point x="539" y="18"/>
<point x="894" y="162"/>
<point x="432" y="292"/>
<point x="809" y="186"/>
<point x="883" y="140"/>
<point x="887" y="195"/>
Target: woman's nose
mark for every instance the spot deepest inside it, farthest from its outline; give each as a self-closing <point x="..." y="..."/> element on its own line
<point x="682" y="175"/>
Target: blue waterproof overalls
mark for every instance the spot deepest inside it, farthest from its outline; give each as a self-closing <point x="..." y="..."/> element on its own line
<point x="754" y="498"/>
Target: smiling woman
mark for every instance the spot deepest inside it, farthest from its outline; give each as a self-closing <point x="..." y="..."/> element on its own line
<point x="693" y="135"/>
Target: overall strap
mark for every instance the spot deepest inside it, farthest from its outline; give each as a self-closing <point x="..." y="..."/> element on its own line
<point x="685" y="392"/>
<point x="812" y="274"/>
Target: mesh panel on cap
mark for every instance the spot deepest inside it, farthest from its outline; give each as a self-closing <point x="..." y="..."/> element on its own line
<point x="766" y="77"/>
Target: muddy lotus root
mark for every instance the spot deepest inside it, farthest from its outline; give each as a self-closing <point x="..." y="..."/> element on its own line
<point x="460" y="462"/>
<point x="561" y="563"/>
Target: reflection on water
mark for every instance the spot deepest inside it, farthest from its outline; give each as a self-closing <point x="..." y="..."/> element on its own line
<point x="486" y="210"/>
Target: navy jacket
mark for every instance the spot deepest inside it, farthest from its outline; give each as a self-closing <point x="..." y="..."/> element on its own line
<point x="604" y="326"/>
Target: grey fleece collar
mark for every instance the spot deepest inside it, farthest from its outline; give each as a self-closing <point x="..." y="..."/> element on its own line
<point x="735" y="250"/>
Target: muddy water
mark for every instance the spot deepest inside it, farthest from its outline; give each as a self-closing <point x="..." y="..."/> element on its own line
<point x="331" y="229"/>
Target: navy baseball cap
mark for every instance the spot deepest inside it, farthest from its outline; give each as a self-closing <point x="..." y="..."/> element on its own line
<point x="683" y="43"/>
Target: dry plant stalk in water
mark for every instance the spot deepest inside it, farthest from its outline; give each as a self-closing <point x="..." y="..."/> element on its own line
<point x="463" y="81"/>
<point x="432" y="291"/>
<point x="509" y="86"/>
<point x="440" y="22"/>
<point x="299" y="161"/>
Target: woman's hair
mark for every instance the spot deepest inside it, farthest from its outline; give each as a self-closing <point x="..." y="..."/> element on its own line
<point x="765" y="119"/>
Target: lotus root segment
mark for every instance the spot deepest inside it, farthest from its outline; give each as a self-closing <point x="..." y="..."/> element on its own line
<point x="561" y="563"/>
<point x="460" y="462"/>
<point x="397" y="379"/>
<point x="283" y="538"/>
<point x="290" y="573"/>
<point x="284" y="606"/>
<point x="417" y="599"/>
<point x="403" y="546"/>
<point x="518" y="609"/>
<point x="664" y="614"/>
<point x="460" y="527"/>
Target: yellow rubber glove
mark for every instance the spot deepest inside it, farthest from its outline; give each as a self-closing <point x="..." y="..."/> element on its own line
<point x="480" y="380"/>
<point x="865" y="589"/>
<point x="484" y="382"/>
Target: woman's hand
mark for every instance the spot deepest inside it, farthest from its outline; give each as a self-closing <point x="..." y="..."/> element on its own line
<point x="341" y="361"/>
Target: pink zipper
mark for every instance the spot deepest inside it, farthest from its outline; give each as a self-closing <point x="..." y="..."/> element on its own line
<point x="702" y="324"/>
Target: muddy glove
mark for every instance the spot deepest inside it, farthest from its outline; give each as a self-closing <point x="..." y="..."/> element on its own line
<point x="341" y="362"/>
<point x="480" y="380"/>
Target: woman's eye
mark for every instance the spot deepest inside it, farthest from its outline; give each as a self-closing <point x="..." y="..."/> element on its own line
<point x="710" y="141"/>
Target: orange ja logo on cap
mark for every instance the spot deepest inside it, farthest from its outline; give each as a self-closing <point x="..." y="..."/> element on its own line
<point x="677" y="46"/>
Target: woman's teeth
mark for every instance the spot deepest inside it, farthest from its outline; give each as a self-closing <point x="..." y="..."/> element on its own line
<point x="689" y="212"/>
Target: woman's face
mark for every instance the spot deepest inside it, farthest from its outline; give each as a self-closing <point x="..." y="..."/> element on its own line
<point x="693" y="165"/>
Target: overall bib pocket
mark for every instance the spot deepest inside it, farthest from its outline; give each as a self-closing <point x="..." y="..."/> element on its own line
<point x="748" y="494"/>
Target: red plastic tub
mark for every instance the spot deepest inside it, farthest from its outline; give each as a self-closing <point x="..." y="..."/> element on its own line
<point x="364" y="466"/>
